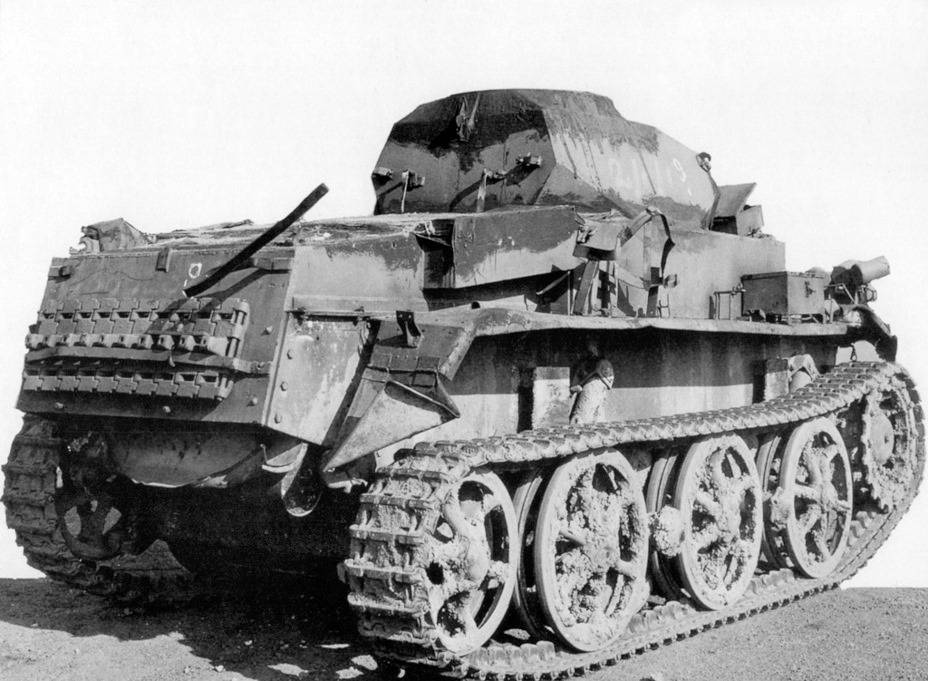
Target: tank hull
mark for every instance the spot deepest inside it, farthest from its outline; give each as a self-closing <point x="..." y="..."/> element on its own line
<point x="578" y="391"/>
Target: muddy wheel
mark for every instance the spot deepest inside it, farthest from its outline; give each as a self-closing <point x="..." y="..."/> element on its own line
<point x="474" y="552"/>
<point x="90" y="524"/>
<point x="666" y="531"/>
<point x="525" y="600"/>
<point x="718" y="494"/>
<point x="889" y="444"/>
<point x="768" y="460"/>
<point x="91" y="501"/>
<point x="591" y="550"/>
<point x="810" y="511"/>
<point x="80" y="533"/>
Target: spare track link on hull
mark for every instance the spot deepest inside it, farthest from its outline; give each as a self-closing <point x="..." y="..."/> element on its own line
<point x="30" y="478"/>
<point x="384" y="577"/>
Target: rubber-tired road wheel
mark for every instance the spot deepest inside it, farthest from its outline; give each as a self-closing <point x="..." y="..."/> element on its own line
<point x="525" y="599"/>
<point x="718" y="494"/>
<point x="591" y="549"/>
<point x="810" y="511"/>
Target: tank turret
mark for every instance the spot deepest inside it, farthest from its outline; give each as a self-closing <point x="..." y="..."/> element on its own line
<point x="480" y="150"/>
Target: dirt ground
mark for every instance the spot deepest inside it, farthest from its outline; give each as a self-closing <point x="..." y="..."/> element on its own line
<point x="275" y="632"/>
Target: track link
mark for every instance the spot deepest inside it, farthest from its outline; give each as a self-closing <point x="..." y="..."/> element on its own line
<point x="30" y="480"/>
<point x="386" y="570"/>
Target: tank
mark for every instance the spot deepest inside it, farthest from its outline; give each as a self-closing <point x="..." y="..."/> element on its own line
<point x="558" y="400"/>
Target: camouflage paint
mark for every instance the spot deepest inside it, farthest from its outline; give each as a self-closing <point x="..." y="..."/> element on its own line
<point x="592" y="157"/>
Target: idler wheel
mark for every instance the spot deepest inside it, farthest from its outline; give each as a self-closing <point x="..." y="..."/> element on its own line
<point x="718" y="494"/>
<point x="92" y="526"/>
<point x="889" y="444"/>
<point x="474" y="551"/>
<point x="591" y="547"/>
<point x="809" y="513"/>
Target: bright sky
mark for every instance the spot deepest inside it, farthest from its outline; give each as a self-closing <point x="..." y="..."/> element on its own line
<point x="176" y="114"/>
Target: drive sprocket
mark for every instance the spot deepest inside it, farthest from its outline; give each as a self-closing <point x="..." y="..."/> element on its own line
<point x="53" y="517"/>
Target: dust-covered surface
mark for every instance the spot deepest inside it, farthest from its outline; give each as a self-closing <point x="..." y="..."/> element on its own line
<point x="278" y="633"/>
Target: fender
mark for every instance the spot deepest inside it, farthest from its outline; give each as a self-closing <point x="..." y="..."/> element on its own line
<point x="402" y="390"/>
<point x="875" y="330"/>
<point x="403" y="387"/>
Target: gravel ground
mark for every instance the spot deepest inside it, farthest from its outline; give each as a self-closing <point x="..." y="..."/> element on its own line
<point x="276" y="633"/>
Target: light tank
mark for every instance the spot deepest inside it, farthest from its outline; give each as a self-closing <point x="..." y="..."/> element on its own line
<point x="556" y="402"/>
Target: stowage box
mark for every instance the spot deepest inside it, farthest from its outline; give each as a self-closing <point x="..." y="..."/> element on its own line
<point x="783" y="293"/>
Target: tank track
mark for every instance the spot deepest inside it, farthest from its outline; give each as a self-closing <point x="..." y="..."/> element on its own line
<point x="30" y="477"/>
<point x="386" y="582"/>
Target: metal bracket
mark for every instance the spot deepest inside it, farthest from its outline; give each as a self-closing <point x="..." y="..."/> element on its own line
<point x="163" y="263"/>
<point x="523" y="167"/>
<point x="410" y="181"/>
<point x="60" y="271"/>
<point x="271" y="264"/>
<point x="381" y="175"/>
<point x="733" y="313"/>
<point x="581" y="298"/>
<point x="529" y="162"/>
<point x="412" y="336"/>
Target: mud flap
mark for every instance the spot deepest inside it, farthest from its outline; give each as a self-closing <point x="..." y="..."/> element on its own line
<point x="877" y="332"/>
<point x="402" y="390"/>
<point x="394" y="412"/>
